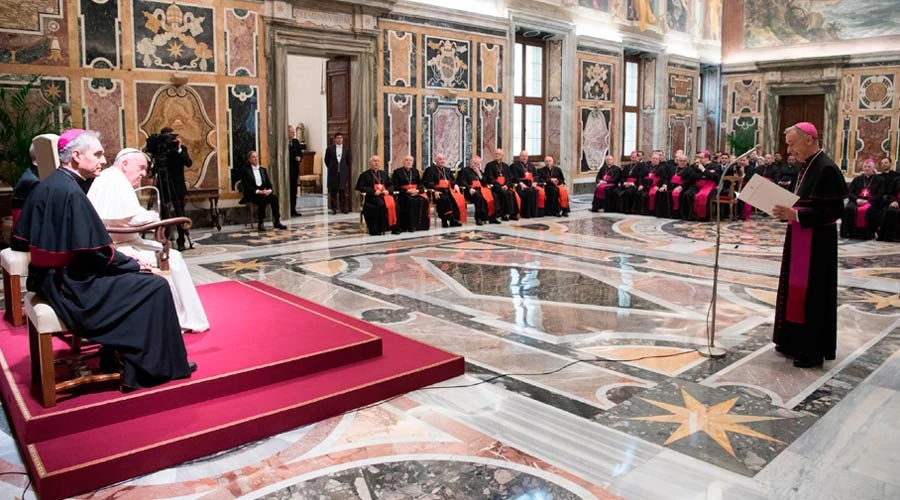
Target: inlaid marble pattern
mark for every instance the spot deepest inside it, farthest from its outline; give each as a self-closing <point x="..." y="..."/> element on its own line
<point x="681" y="91"/>
<point x="241" y="42"/>
<point x="447" y="63"/>
<point x="170" y="36"/>
<point x="595" y="138"/>
<point x="400" y="128"/>
<point x="103" y="105"/>
<point x="399" y="58"/>
<point x="34" y="33"/>
<point x="448" y="129"/>
<point x="747" y="97"/>
<point x="491" y="120"/>
<point x="99" y="33"/>
<point x="873" y="134"/>
<point x="679" y="133"/>
<point x="490" y="63"/>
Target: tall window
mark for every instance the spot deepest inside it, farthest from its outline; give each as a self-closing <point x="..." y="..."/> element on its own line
<point x="631" y="109"/>
<point x="528" y="110"/>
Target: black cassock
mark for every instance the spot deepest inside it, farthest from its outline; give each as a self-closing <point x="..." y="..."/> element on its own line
<point x="611" y="176"/>
<point x="524" y="173"/>
<point x="504" y="199"/>
<point x="657" y="177"/>
<point x="806" y="306"/>
<point x="412" y="210"/>
<point x="468" y="180"/>
<point x="664" y="202"/>
<point x="624" y="196"/>
<point x="440" y="179"/>
<point x="96" y="291"/>
<point x="861" y="223"/>
<point x="375" y="208"/>
<point x="708" y="188"/>
<point x="890" y="221"/>
<point x="553" y="202"/>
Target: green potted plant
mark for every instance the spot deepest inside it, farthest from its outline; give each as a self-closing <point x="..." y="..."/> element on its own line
<point x="23" y="115"/>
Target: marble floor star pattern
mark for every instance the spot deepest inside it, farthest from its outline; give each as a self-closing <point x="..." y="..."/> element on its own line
<point x="583" y="378"/>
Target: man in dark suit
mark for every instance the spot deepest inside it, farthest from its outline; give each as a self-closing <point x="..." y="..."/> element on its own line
<point x="171" y="183"/>
<point x="256" y="187"/>
<point x="337" y="159"/>
<point x="295" y="155"/>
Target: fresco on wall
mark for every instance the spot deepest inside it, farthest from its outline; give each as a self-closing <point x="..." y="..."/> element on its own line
<point x="446" y="63"/>
<point x="173" y="37"/>
<point x="712" y="28"/>
<point x="677" y="14"/>
<point x="772" y="23"/>
<point x="643" y="12"/>
<point x="601" y="5"/>
<point x="595" y="144"/>
<point x="34" y="33"/>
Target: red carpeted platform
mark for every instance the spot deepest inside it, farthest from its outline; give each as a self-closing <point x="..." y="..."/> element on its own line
<point x="270" y="362"/>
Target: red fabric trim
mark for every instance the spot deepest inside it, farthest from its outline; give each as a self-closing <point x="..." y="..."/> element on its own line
<point x="461" y="203"/>
<point x="563" y="197"/>
<point x="702" y="197"/>
<point x="861" y="212"/>
<point x="489" y="198"/>
<point x="443" y="184"/>
<point x="16" y="213"/>
<point x="798" y="275"/>
<point x="501" y="180"/>
<point x="476" y="184"/>
<point x="45" y="258"/>
<point x="518" y="200"/>
<point x="542" y="197"/>
<point x="652" y="193"/>
<point x="391" y="206"/>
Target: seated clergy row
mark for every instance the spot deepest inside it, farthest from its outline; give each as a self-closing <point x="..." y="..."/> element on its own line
<point x="873" y="204"/>
<point x="104" y="288"/>
<point x="677" y="189"/>
<point x="401" y="201"/>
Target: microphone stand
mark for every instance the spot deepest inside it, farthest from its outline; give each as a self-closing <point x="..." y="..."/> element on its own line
<point x="710" y="350"/>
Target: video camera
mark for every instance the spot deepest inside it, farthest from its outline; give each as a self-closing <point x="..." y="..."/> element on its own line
<point x="159" y="147"/>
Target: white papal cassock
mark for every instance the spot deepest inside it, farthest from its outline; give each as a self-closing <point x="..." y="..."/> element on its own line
<point x="117" y="204"/>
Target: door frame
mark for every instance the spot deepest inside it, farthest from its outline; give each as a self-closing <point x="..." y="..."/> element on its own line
<point x="283" y="39"/>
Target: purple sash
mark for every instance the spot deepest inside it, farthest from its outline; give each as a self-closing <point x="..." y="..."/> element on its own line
<point x="798" y="275"/>
<point x="863" y="209"/>
<point x="653" y="189"/>
<point x="700" y="199"/>
<point x="600" y="192"/>
<point x="676" y="179"/>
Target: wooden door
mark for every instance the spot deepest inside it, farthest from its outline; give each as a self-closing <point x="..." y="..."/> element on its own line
<point x="800" y="108"/>
<point x="337" y="108"/>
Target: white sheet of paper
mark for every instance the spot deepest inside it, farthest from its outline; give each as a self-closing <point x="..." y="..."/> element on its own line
<point x="765" y="194"/>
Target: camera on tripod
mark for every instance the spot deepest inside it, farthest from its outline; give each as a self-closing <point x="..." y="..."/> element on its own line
<point x="159" y="146"/>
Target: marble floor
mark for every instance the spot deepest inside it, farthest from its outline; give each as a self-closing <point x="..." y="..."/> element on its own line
<point x="583" y="378"/>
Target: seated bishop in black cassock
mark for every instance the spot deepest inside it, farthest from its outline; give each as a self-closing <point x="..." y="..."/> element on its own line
<point x="862" y="214"/>
<point x="451" y="205"/>
<point x="379" y="208"/>
<point x="498" y="176"/>
<point x="412" y="203"/>
<point x="97" y="292"/>
<point x="530" y="194"/>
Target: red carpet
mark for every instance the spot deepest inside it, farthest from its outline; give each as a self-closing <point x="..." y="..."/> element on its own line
<point x="270" y="362"/>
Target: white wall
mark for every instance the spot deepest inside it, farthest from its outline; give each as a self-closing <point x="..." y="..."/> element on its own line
<point x="306" y="101"/>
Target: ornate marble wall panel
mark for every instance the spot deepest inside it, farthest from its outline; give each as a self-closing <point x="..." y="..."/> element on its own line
<point x="594" y="138"/>
<point x="48" y="90"/>
<point x="400" y="128"/>
<point x="681" y="91"/>
<point x="399" y="58"/>
<point x="648" y="127"/>
<point x="553" y="131"/>
<point x="876" y="92"/>
<point x="103" y="105"/>
<point x="448" y="129"/>
<point x="596" y="81"/>
<point x="241" y="42"/>
<point x="170" y="36"/>
<point x="648" y="91"/>
<point x="447" y="62"/>
<point x="554" y="70"/>
<point x="98" y="29"/>
<point x="34" y="32"/>
<point x="191" y="111"/>
<point x="873" y="138"/>
<point x="452" y="85"/>
<point x="490" y="123"/>
<point x="490" y="67"/>
<point x="679" y="133"/>
<point x="243" y="124"/>
<point x="747" y="97"/>
<point x="597" y="107"/>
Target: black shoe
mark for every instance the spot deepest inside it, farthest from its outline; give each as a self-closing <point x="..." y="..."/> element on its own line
<point x="261" y="228"/>
<point x="479" y="222"/>
<point x="396" y="231"/>
<point x="445" y="223"/>
<point x="279" y="225"/>
<point x="411" y="230"/>
<point x="505" y="217"/>
<point x="333" y="212"/>
<point x="192" y="366"/>
<point x="564" y="214"/>
<point x="493" y="220"/>
<point x="808" y="363"/>
<point x="454" y="223"/>
<point x="296" y="214"/>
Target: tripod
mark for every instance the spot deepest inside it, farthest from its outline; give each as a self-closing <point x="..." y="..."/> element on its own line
<point x="171" y="207"/>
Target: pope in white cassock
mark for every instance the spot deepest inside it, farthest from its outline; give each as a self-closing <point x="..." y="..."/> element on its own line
<point x="113" y="196"/>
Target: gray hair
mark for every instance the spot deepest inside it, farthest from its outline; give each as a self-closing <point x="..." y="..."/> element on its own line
<point x="77" y="144"/>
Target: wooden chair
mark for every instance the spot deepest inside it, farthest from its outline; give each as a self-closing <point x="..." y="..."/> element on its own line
<point x="733" y="183"/>
<point x="44" y="324"/>
<point x="249" y="208"/>
<point x="15" y="265"/>
<point x="310" y="173"/>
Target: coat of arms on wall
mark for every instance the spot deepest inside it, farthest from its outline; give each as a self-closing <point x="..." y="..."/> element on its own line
<point x="171" y="36"/>
<point x="596" y="81"/>
<point x="446" y="63"/>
